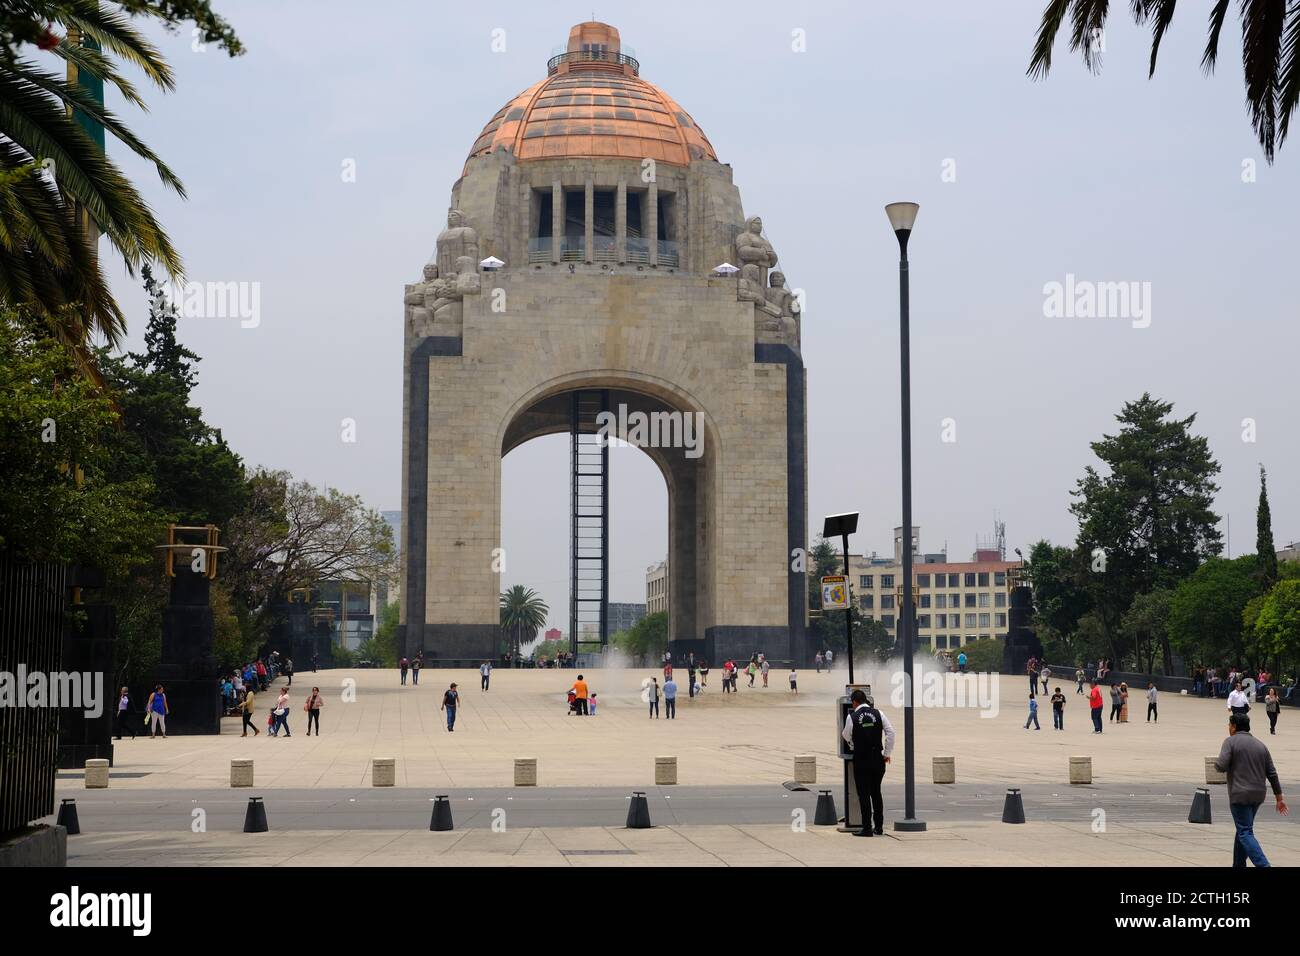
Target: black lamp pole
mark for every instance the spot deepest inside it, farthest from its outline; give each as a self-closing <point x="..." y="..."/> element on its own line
<point x="902" y="216"/>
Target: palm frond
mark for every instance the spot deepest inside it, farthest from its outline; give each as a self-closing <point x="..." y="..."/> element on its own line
<point x="112" y="30"/>
<point x="1053" y="16"/>
<point x="1289" y="75"/>
<point x="1262" y="25"/>
<point x="1218" y="13"/>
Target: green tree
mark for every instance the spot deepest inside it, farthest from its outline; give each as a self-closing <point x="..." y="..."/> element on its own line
<point x="198" y="479"/>
<point x="50" y="418"/>
<point x="644" y="641"/>
<point x="1270" y="50"/>
<point x="1060" y="599"/>
<point x="1206" y="611"/>
<point x="1265" y="550"/>
<point x="1146" y="521"/>
<point x="383" y="646"/>
<point x="53" y="171"/>
<point x="523" y="614"/>
<point x="1278" y="622"/>
<point x="1147" y="623"/>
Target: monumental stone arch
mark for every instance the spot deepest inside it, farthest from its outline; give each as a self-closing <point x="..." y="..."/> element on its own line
<point x="577" y="275"/>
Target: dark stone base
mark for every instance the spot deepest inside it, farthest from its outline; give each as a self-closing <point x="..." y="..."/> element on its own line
<point x="74" y="756"/>
<point x="35" y="846"/>
<point x="451" y="645"/>
<point x="739" y="642"/>
<point x="195" y="707"/>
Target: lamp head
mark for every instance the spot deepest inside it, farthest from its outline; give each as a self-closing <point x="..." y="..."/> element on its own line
<point x="902" y="217"/>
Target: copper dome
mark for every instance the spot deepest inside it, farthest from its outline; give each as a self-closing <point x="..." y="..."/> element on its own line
<point x="594" y="104"/>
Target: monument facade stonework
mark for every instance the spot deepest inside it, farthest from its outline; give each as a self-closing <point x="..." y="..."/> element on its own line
<point x="611" y="212"/>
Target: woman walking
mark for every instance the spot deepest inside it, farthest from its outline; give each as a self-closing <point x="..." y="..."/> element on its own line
<point x="123" y="712"/>
<point x="158" y="711"/>
<point x="282" y="713"/>
<point x="1272" y="707"/>
<point x="1123" y="702"/>
<point x="313" y="706"/>
<point x="1115" y="703"/>
<point x="246" y="710"/>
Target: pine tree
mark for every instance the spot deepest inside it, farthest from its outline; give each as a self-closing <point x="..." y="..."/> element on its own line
<point x="1264" y="548"/>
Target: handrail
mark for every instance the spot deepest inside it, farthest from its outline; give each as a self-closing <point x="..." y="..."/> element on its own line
<point x="588" y="56"/>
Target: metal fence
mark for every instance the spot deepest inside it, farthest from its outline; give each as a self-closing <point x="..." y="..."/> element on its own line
<point x="32" y="603"/>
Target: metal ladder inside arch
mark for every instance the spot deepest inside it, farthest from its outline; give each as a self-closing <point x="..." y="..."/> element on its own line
<point x="589" y="509"/>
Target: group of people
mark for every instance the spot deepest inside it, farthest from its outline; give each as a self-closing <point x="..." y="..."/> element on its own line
<point x="826" y="657"/>
<point x="256" y="675"/>
<point x="411" y="666"/>
<point x="156" y="710"/>
<point x="277" y="718"/>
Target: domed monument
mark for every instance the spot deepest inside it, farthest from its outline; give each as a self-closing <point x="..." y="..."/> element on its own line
<point x="576" y="289"/>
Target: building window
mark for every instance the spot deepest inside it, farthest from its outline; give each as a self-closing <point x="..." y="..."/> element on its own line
<point x="984" y="579"/>
<point x="864" y="580"/>
<point x="942" y="620"/>
<point x="954" y="580"/>
<point x="970" y="579"/>
<point x="923" y="621"/>
<point x="923" y="580"/>
<point x="941" y="641"/>
<point x="984" y="599"/>
<point x="886" y="601"/>
<point x="941" y="600"/>
<point x="970" y="620"/>
<point x="984" y="637"/>
<point x="886" y="581"/>
<point x="925" y="600"/>
<point x="1000" y="578"/>
<point x="954" y="600"/>
<point x="1001" y="620"/>
<point x="887" y="620"/>
<point x="970" y="600"/>
<point x="867" y="601"/>
<point x="984" y="620"/>
<point x="1000" y="599"/>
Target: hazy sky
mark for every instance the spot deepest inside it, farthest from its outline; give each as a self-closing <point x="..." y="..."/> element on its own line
<point x="1110" y="178"/>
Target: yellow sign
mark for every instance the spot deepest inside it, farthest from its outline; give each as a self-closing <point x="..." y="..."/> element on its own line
<point x="835" y="592"/>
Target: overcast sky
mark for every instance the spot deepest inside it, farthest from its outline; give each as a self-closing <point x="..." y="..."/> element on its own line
<point x="1110" y="178"/>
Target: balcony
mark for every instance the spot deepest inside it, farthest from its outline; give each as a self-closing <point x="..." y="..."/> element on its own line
<point x="604" y="249"/>
<point x="592" y="57"/>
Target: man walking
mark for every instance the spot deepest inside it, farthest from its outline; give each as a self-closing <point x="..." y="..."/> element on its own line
<point x="961" y="662"/>
<point x="415" y="671"/>
<point x="1045" y="676"/>
<point x="1095" y="704"/>
<point x="1152" y="712"/>
<point x="817" y="660"/>
<point x="1248" y="764"/>
<point x="871" y="737"/>
<point x="485" y="674"/>
<point x="450" y="701"/>
<point x="1058" y="710"/>
<point x="1237" y="702"/>
<point x="652" y="697"/>
<point x="580" y="695"/>
<point x="403" y="665"/>
<point x="1080" y="675"/>
<point x="1033" y="713"/>
<point x="670" y="699"/>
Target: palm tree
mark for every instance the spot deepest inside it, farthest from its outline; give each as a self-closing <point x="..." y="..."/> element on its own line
<point x="1270" y="50"/>
<point x="52" y="171"/>
<point x="522" y="611"/>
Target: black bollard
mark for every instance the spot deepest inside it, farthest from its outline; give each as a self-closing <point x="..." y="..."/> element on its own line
<point x="638" y="812"/>
<point x="68" y="817"/>
<point x="255" y="817"/>
<point x="1013" y="809"/>
<point x="1200" y="807"/>
<point x="826" y="815"/>
<point x="441" y="819"/>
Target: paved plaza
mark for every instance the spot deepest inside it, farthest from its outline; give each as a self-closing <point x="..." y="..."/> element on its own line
<point x="729" y="807"/>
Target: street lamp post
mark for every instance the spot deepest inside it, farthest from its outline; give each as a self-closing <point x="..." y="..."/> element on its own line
<point x="902" y="216"/>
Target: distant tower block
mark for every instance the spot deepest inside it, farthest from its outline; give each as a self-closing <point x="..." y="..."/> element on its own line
<point x="611" y="213"/>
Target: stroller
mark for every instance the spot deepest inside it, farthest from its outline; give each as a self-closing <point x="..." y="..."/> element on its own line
<point x="573" y="702"/>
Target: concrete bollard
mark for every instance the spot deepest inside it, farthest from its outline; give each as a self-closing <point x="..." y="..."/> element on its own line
<point x="96" y="774"/>
<point x="383" y="772"/>
<point x="805" y="768"/>
<point x="1080" y="770"/>
<point x="1212" y="775"/>
<point x="241" y="772"/>
<point x="525" y="771"/>
<point x="665" y="771"/>
<point x="945" y="769"/>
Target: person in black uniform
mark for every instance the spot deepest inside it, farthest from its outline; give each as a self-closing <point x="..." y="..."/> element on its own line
<point x="870" y="735"/>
